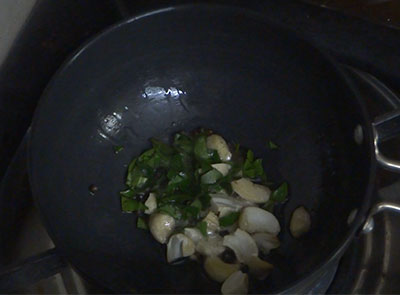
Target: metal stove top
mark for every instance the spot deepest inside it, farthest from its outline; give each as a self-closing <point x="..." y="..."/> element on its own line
<point x="370" y="265"/>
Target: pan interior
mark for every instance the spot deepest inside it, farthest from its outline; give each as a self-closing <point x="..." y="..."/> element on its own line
<point x="154" y="76"/>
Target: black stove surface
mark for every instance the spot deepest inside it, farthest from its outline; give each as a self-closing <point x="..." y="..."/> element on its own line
<point x="56" y="29"/>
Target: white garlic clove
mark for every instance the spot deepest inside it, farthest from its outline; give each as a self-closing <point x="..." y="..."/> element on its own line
<point x="242" y="244"/>
<point x="216" y="142"/>
<point x="161" y="226"/>
<point x="266" y="242"/>
<point x="300" y="222"/>
<point x="259" y="268"/>
<point x="188" y="247"/>
<point x="194" y="234"/>
<point x="254" y="219"/>
<point x="236" y="283"/>
<point x="222" y="168"/>
<point x="212" y="223"/>
<point x="151" y="204"/>
<point x="222" y="202"/>
<point x="179" y="246"/>
<point x="212" y="246"/>
<point x="218" y="270"/>
<point x="250" y="191"/>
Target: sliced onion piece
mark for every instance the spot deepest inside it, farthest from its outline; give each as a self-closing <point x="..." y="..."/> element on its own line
<point x="216" y="142"/>
<point x="218" y="270"/>
<point x="250" y="191"/>
<point x="266" y="242"/>
<point x="161" y="226"/>
<point x="242" y="244"/>
<point x="179" y="246"/>
<point x="254" y="219"/>
<point x="300" y="222"/>
<point x="151" y="204"/>
<point x="236" y="283"/>
<point x="259" y="268"/>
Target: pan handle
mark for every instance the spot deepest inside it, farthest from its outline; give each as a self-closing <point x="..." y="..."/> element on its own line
<point x="30" y="271"/>
<point x="386" y="127"/>
<point x="34" y="268"/>
<point x="377" y="208"/>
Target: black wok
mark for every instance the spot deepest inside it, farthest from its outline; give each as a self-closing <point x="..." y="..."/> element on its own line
<point x="179" y="69"/>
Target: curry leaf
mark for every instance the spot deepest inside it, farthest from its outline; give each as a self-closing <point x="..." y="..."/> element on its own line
<point x="250" y="156"/>
<point x="213" y="157"/>
<point x="281" y="193"/>
<point x="129" y="193"/>
<point x="179" y="182"/>
<point x="141" y="223"/>
<point x="237" y="147"/>
<point x="229" y="219"/>
<point x="175" y="198"/>
<point x="227" y="187"/>
<point x="145" y="156"/>
<point x="211" y="176"/>
<point x="271" y="145"/>
<point x="190" y="212"/>
<point x="202" y="226"/>
<point x="129" y="175"/>
<point x="251" y="168"/>
<point x="118" y="148"/>
<point x="205" y="200"/>
<point x="200" y="148"/>
<point x="269" y="206"/>
<point x="196" y="203"/>
<point x="162" y="147"/>
<point x="171" y="210"/>
<point x="131" y="205"/>
<point x="183" y="143"/>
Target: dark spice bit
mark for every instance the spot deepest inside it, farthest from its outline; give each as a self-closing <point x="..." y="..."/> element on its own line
<point x="228" y="256"/>
<point x="93" y="189"/>
<point x="264" y="256"/>
<point x="141" y="214"/>
<point x="223" y="233"/>
<point x="244" y="268"/>
<point x="141" y="196"/>
<point x="179" y="261"/>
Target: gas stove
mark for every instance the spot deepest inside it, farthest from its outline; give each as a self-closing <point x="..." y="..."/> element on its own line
<point x="371" y="263"/>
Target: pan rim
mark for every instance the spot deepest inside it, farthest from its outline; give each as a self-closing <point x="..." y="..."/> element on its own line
<point x="368" y="133"/>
